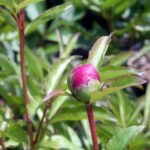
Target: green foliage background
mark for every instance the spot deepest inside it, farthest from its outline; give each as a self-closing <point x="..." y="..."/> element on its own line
<point x="54" y="38"/>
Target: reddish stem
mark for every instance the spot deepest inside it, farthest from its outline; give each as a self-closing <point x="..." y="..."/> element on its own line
<point x="22" y="55"/>
<point x="89" y="110"/>
<point x="23" y="68"/>
<point x="40" y="126"/>
<point x="2" y="144"/>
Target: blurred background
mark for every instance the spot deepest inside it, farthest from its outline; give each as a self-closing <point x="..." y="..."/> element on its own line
<point x="90" y="19"/>
<point x="75" y="31"/>
<point x="87" y="20"/>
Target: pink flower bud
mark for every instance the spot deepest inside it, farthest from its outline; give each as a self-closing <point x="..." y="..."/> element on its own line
<point x="83" y="81"/>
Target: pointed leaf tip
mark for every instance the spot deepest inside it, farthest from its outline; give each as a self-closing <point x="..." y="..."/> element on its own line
<point x="98" y="50"/>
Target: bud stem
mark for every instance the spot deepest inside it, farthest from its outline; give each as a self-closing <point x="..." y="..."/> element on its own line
<point x="90" y="114"/>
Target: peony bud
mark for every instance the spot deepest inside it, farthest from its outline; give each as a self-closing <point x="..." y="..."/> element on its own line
<point x="83" y="81"/>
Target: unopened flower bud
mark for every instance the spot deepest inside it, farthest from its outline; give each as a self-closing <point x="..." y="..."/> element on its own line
<point x="83" y="81"/>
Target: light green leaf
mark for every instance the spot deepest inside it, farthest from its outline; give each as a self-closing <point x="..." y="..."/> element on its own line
<point x="59" y="142"/>
<point x="98" y="51"/>
<point x="112" y="72"/>
<point x="116" y="85"/>
<point x="120" y="140"/>
<point x="147" y="106"/>
<point x="34" y="65"/>
<point x="122" y="107"/>
<point x="35" y="87"/>
<point x="46" y="16"/>
<point x="34" y="106"/>
<point x="87" y="132"/>
<point x="74" y="136"/>
<point x="56" y="73"/>
<point x="71" y="45"/>
<point x="120" y="59"/>
<point x="56" y="105"/>
<point x="26" y="3"/>
<point x="7" y="3"/>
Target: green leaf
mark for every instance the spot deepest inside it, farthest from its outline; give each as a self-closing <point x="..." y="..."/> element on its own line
<point x="56" y="73"/>
<point x="7" y="66"/>
<point x="47" y="16"/>
<point x="7" y="3"/>
<point x="122" y="6"/>
<point x="71" y="45"/>
<point x="112" y="72"/>
<point x="98" y="51"/>
<point x="8" y="18"/>
<point x="120" y="59"/>
<point x="108" y="130"/>
<point x="59" y="142"/>
<point x="26" y="3"/>
<point x="122" y="107"/>
<point x="109" y="3"/>
<point x="35" y="87"/>
<point x="56" y="105"/>
<point x="116" y="85"/>
<point x="120" y="140"/>
<point x="34" y="65"/>
<point x="33" y="106"/>
<point x="147" y="106"/>
<point x="16" y="133"/>
<point x="74" y="136"/>
<point x="79" y="113"/>
<point x="133" y="118"/>
<point x="87" y="133"/>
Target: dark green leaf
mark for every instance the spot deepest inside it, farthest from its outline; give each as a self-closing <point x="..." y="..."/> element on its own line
<point x="79" y="113"/>
<point x="8" y="18"/>
<point x="7" y="66"/>
<point x="16" y="133"/>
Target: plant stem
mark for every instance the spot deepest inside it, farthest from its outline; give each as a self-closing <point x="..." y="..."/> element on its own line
<point x="23" y="69"/>
<point x="40" y="126"/>
<point x="89" y="110"/>
<point x="2" y="144"/>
